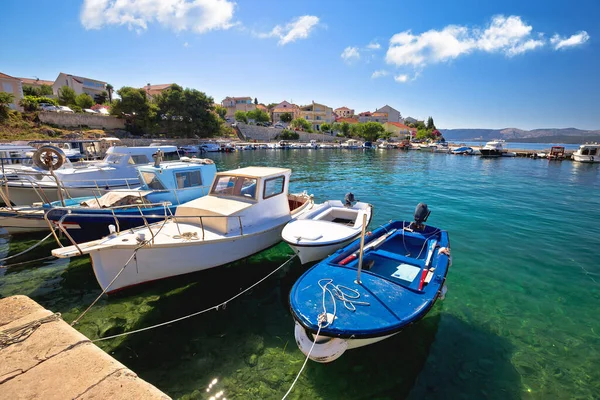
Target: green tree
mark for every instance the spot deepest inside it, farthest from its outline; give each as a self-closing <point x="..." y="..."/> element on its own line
<point x="371" y="130"/>
<point x="30" y="91"/>
<point x="66" y="96"/>
<point x="109" y="90"/>
<point x="386" y="135"/>
<point x="288" y="135"/>
<point x="188" y="112"/>
<point x="271" y="106"/>
<point x="419" y="125"/>
<point x="258" y="115"/>
<point x="31" y="103"/>
<point x="46" y="90"/>
<point x="5" y="100"/>
<point x="430" y="125"/>
<point x="141" y="114"/>
<point x="286" y="117"/>
<point x="325" y="127"/>
<point x="240" y="116"/>
<point x="221" y="111"/>
<point x="301" y="123"/>
<point x="101" y="97"/>
<point x="255" y="101"/>
<point x="345" y="129"/>
<point x="84" y="100"/>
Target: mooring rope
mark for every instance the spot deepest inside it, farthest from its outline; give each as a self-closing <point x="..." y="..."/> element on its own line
<point x="216" y="307"/>
<point x="28" y="262"/>
<point x="19" y="333"/>
<point x="305" y="361"/>
<point x="30" y="248"/>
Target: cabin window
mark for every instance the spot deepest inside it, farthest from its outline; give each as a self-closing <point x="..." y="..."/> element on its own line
<point x="188" y="179"/>
<point x="593" y="152"/>
<point x="273" y="187"/>
<point x="585" y="151"/>
<point x="114" y="158"/>
<point x="139" y="159"/>
<point x="170" y="156"/>
<point x="235" y="186"/>
<point x="152" y="181"/>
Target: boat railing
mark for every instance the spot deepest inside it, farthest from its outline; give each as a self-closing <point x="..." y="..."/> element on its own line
<point x="167" y="216"/>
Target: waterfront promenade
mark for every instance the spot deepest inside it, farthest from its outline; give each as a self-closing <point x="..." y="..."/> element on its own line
<point x="44" y="358"/>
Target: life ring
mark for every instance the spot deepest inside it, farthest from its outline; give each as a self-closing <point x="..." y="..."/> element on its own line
<point x="324" y="352"/>
<point x="49" y="158"/>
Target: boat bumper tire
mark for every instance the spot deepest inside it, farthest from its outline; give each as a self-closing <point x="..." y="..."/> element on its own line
<point x="323" y="351"/>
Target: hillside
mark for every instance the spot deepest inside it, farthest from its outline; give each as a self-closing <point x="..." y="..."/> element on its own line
<point x="547" y="135"/>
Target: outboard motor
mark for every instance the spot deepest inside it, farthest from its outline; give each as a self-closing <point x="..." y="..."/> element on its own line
<point x="421" y="214"/>
<point x="349" y="199"/>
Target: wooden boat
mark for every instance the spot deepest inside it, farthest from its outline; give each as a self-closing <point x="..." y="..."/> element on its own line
<point x="404" y="267"/>
<point x="326" y="228"/>
<point x="244" y="213"/>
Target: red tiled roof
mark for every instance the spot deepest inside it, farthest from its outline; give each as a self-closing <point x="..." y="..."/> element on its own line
<point x="7" y="76"/>
<point x="153" y="90"/>
<point x="27" y="81"/>
<point x="342" y="108"/>
<point x="364" y="114"/>
<point x="401" y="126"/>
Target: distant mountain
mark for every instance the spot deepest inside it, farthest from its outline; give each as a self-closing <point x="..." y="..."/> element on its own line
<point x="550" y="135"/>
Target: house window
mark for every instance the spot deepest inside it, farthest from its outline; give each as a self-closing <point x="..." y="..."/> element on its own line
<point x="188" y="179"/>
<point x="7" y="87"/>
<point x="273" y="187"/>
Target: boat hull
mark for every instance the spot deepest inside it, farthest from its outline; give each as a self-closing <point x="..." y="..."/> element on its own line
<point x="586" y="159"/>
<point x="14" y="222"/>
<point x="490" y="153"/>
<point x="309" y="254"/>
<point x="154" y="263"/>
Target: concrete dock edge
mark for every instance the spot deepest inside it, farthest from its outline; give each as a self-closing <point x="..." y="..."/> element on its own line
<point x="52" y="360"/>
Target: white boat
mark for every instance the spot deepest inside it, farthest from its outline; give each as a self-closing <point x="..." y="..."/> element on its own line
<point x="351" y="144"/>
<point x="385" y="145"/>
<point x="313" y="145"/>
<point x="494" y="148"/>
<point x="326" y="228"/>
<point x="28" y="185"/>
<point x="587" y="153"/>
<point x="14" y="154"/>
<point x="190" y="149"/>
<point x="512" y="154"/>
<point x="244" y="213"/>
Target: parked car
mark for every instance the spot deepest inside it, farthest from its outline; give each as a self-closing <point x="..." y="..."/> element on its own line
<point x="65" y="109"/>
<point x="279" y="125"/>
<point x="47" y="107"/>
<point x="89" y="111"/>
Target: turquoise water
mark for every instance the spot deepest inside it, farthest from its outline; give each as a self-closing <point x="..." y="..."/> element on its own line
<point x="520" y="319"/>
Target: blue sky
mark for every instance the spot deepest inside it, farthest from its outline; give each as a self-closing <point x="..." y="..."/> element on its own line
<point x="469" y="64"/>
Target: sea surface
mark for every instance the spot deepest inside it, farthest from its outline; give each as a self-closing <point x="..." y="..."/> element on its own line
<point x="521" y="319"/>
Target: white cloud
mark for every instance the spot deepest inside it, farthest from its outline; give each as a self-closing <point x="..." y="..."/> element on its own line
<point x="179" y="15"/>
<point x="575" y="40"/>
<point x="373" y="46"/>
<point x="379" y="74"/>
<point x="186" y="44"/>
<point x="510" y="36"/>
<point x="298" y="28"/>
<point x="350" y="54"/>
<point x="403" y="78"/>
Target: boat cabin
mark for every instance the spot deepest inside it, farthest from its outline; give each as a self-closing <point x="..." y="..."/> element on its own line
<point x="242" y="198"/>
<point x="84" y="148"/>
<point x="14" y="154"/>
<point x="588" y="150"/>
<point x="138" y="155"/>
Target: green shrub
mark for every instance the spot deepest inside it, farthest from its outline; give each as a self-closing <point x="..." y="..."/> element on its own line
<point x="288" y="135"/>
<point x="31" y="103"/>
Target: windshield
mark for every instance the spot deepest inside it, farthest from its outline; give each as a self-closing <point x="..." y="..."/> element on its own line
<point x="152" y="181"/>
<point x="235" y="186"/>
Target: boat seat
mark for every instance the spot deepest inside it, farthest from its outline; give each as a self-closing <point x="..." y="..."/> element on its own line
<point x="400" y="258"/>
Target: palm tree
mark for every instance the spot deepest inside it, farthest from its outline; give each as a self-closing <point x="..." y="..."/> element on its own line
<point x="109" y="89"/>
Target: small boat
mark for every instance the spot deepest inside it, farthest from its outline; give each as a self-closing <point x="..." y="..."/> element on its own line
<point x="462" y="150"/>
<point x="337" y="305"/>
<point x="28" y="185"/>
<point x="190" y="149"/>
<point x="506" y="153"/>
<point x="385" y="145"/>
<point x="164" y="188"/>
<point x="495" y="148"/>
<point x="243" y="214"/>
<point x="326" y="228"/>
<point x="351" y="144"/>
<point x="557" y="153"/>
<point x="210" y="147"/>
<point x="368" y="145"/>
<point x="587" y="153"/>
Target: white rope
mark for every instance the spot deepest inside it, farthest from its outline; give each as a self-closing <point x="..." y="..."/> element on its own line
<point x="29" y="249"/>
<point x="216" y="307"/>
<point x="337" y="291"/>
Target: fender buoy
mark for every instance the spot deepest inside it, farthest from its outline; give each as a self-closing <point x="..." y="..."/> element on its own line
<point x="49" y="158"/>
<point x="323" y="352"/>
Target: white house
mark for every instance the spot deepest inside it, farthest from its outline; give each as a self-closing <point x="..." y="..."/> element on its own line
<point x="79" y="84"/>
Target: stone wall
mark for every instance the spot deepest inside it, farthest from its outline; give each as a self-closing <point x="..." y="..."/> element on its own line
<point x="262" y="134"/>
<point x="78" y="120"/>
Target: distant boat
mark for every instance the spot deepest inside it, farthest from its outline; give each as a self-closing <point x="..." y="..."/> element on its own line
<point x="587" y="153"/>
<point x="243" y="214"/>
<point x="404" y="269"/>
<point x="463" y="150"/>
<point x="326" y="228"/>
<point x="495" y="148"/>
<point x="351" y="144"/>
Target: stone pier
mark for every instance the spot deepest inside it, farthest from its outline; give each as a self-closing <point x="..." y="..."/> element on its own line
<point x="44" y="358"/>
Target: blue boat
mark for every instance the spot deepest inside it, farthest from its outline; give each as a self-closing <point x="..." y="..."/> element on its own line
<point x="164" y="187"/>
<point x="404" y="267"/>
<point x="463" y="150"/>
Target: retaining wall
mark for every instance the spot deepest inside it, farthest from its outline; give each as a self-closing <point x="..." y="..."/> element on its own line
<point x="77" y="120"/>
